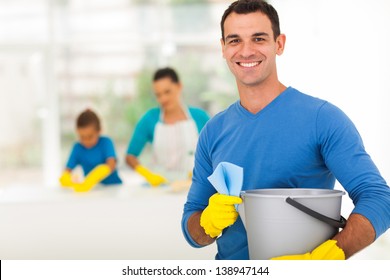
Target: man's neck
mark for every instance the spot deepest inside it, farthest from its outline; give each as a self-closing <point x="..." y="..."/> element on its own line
<point x="255" y="99"/>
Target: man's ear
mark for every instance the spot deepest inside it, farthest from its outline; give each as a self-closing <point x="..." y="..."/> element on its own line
<point x="280" y="43"/>
<point x="223" y="47"/>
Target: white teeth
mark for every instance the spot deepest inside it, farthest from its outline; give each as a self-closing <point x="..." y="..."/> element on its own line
<point x="249" y="64"/>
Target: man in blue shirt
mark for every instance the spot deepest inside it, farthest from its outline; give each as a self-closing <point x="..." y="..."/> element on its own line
<point x="283" y="139"/>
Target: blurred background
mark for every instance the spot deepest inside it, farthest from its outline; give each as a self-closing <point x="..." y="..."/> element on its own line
<point x="58" y="57"/>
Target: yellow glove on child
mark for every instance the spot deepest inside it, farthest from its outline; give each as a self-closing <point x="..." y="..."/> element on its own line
<point x="152" y="178"/>
<point x="94" y="177"/>
<point x="326" y="251"/>
<point x="219" y="214"/>
<point x="66" y="179"/>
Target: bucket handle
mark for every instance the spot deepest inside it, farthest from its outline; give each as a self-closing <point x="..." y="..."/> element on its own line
<point x="334" y="223"/>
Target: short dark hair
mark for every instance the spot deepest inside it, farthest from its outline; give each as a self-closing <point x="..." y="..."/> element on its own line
<point x="252" y="6"/>
<point x="87" y="118"/>
<point x="166" y="72"/>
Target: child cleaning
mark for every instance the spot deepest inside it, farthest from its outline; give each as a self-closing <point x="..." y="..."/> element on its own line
<point x="94" y="153"/>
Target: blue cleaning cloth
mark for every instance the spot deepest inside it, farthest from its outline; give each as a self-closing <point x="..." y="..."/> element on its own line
<point x="227" y="178"/>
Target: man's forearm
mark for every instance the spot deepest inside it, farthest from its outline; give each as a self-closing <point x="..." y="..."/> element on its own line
<point x="197" y="232"/>
<point x="357" y="235"/>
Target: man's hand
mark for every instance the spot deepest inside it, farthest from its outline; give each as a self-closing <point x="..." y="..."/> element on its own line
<point x="219" y="214"/>
<point x="326" y="251"/>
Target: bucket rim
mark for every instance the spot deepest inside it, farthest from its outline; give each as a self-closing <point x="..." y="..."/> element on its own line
<point x="300" y="193"/>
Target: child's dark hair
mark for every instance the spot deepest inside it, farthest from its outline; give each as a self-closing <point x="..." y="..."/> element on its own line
<point x="166" y="73"/>
<point x="87" y="118"/>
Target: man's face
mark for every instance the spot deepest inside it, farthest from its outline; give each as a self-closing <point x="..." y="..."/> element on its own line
<point x="250" y="49"/>
<point x="88" y="136"/>
<point x="167" y="93"/>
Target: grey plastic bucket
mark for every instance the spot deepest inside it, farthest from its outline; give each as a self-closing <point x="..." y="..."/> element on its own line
<point x="282" y="222"/>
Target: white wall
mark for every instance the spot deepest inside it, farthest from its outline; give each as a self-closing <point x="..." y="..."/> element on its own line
<point x="338" y="51"/>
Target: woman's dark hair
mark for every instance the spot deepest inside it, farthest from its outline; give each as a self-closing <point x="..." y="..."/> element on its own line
<point x="87" y="118"/>
<point x="252" y="6"/>
<point x="166" y="73"/>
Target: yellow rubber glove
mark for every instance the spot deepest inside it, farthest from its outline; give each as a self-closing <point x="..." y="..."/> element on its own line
<point x="326" y="251"/>
<point x="153" y="179"/>
<point x="219" y="214"/>
<point x="66" y="179"/>
<point x="94" y="177"/>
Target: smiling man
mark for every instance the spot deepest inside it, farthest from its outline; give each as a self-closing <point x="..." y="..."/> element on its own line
<point x="283" y="139"/>
<point x="250" y="52"/>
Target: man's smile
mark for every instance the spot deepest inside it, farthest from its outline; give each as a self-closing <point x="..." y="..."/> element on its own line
<point x="249" y="64"/>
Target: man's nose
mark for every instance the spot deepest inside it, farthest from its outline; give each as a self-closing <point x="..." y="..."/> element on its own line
<point x="247" y="49"/>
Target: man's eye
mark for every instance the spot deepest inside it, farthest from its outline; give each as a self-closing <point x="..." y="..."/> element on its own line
<point x="259" y="39"/>
<point x="234" y="41"/>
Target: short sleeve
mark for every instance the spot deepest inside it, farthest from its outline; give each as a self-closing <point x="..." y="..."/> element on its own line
<point x="143" y="132"/>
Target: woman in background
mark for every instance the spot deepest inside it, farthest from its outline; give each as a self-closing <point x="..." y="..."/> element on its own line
<point x="94" y="153"/>
<point x="172" y="129"/>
